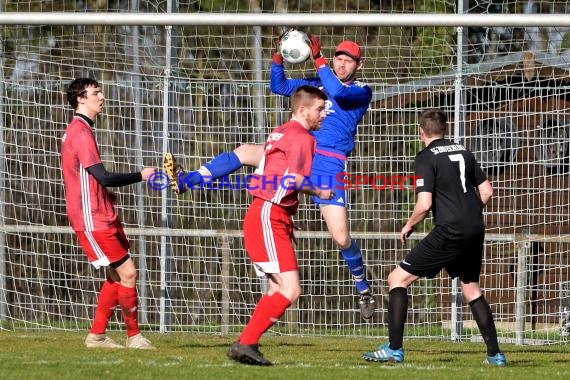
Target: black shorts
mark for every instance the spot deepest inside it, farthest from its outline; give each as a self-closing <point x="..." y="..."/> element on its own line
<point x="460" y="255"/>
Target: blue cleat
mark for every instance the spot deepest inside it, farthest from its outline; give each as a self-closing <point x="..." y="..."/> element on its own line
<point x="498" y="360"/>
<point x="385" y="354"/>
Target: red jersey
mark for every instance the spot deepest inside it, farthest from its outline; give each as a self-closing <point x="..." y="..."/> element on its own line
<point x="289" y="149"/>
<point x="89" y="205"/>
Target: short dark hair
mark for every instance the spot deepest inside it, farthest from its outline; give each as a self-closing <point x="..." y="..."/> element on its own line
<point x="433" y="122"/>
<point x="77" y="88"/>
<point x="304" y="95"/>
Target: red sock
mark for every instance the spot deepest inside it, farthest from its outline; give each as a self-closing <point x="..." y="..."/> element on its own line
<point x="108" y="301"/>
<point x="268" y="311"/>
<point x="128" y="300"/>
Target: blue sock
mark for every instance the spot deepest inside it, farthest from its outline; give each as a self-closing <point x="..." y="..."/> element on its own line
<point x="220" y="166"/>
<point x="223" y="164"/>
<point x="353" y="258"/>
<point x="190" y="179"/>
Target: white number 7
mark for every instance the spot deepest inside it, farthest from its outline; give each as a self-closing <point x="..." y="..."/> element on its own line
<point x="459" y="158"/>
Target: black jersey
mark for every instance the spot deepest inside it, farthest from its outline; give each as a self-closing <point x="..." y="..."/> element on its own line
<point x="451" y="173"/>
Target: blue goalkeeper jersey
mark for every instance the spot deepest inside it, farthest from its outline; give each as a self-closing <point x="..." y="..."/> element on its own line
<point x="346" y="105"/>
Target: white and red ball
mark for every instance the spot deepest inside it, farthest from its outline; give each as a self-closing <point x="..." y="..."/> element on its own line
<point x="295" y="46"/>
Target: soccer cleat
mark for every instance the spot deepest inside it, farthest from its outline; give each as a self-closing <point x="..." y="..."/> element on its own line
<point x="100" y="341"/>
<point x="247" y="354"/>
<point x="139" y="342"/>
<point x="175" y="172"/>
<point x="385" y="354"/>
<point x="367" y="304"/>
<point x="498" y="360"/>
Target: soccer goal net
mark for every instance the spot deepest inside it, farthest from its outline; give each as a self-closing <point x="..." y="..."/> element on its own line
<point x="197" y="90"/>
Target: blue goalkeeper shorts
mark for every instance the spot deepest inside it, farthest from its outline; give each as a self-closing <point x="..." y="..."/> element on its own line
<point x="328" y="171"/>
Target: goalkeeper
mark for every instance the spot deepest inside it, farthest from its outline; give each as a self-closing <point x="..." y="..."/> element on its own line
<point x="93" y="216"/>
<point x="348" y="101"/>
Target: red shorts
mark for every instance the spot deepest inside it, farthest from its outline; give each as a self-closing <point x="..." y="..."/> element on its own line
<point x="104" y="247"/>
<point x="268" y="237"/>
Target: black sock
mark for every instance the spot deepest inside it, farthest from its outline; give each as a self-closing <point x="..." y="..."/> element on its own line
<point x="484" y="318"/>
<point x="397" y="314"/>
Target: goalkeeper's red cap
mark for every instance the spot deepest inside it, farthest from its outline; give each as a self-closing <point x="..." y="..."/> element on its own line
<point x="349" y="48"/>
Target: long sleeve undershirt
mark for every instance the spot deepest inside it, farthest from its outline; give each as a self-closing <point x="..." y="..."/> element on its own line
<point x="107" y="179"/>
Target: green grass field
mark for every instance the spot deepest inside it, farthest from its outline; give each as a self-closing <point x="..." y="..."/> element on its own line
<point x="61" y="355"/>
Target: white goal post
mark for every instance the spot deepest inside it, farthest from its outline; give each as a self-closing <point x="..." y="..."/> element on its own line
<point x="196" y="83"/>
<point x="285" y="19"/>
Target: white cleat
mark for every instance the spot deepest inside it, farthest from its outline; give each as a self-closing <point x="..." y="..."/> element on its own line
<point x="100" y="341"/>
<point x="139" y="342"/>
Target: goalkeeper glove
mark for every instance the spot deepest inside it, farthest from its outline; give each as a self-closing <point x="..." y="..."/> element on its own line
<point x="318" y="57"/>
<point x="277" y="57"/>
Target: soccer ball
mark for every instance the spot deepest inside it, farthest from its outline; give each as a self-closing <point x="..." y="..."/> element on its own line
<point x="295" y="46"/>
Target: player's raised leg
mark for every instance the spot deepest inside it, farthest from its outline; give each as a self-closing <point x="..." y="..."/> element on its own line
<point x="223" y="164"/>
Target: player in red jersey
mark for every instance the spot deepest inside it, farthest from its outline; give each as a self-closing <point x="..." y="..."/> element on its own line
<point x="92" y="215"/>
<point x="284" y="171"/>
